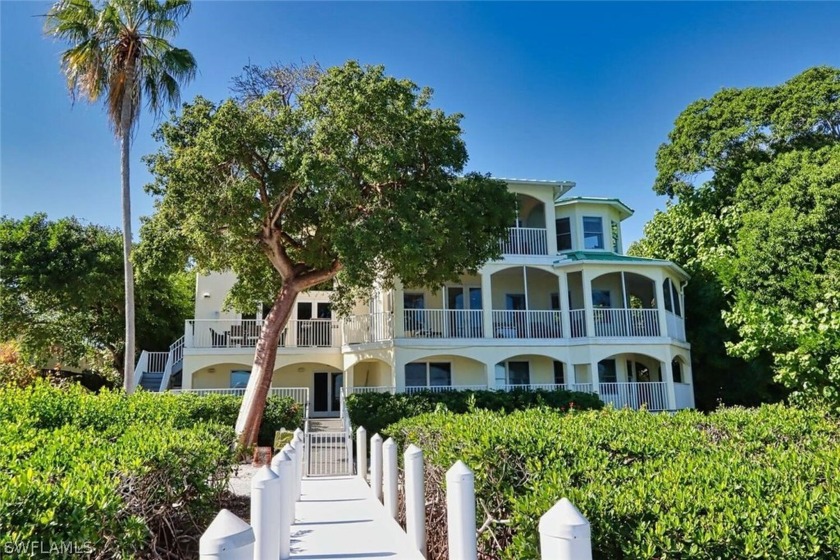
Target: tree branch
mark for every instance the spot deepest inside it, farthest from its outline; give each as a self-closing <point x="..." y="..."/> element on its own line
<point x="315" y="277"/>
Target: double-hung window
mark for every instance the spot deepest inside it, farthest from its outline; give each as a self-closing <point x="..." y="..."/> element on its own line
<point x="593" y="232"/>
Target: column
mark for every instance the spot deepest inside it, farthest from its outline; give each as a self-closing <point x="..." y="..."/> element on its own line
<point x="660" y="307"/>
<point x="486" y="303"/>
<point x="668" y="378"/>
<point x="550" y="226"/>
<point x="399" y="322"/>
<point x="593" y="375"/>
<point x="688" y="377"/>
<point x="589" y="314"/>
<point x="398" y="375"/>
<point x="490" y="373"/>
<point x="563" y="297"/>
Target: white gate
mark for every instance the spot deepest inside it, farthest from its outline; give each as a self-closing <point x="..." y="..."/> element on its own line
<point x="329" y="454"/>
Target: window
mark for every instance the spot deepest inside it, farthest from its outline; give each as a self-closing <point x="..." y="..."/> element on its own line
<point x="239" y="378"/>
<point x="675" y="295"/>
<point x="519" y="373"/>
<point x="666" y="292"/>
<point x="606" y="371"/>
<point x="515" y="302"/>
<point x="615" y="234"/>
<point x="425" y="374"/>
<point x="414" y="318"/>
<point x="555" y="301"/>
<point x="564" y="234"/>
<point x="601" y="298"/>
<point x="413" y="301"/>
<point x="559" y="374"/>
<point x="593" y="233"/>
<point x="676" y="368"/>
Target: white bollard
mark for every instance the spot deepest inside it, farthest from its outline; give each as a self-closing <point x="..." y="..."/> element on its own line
<point x="227" y="538"/>
<point x="460" y="512"/>
<point x="376" y="465"/>
<point x="266" y="514"/>
<point x="415" y="498"/>
<point x="361" y="452"/>
<point x="303" y="456"/>
<point x="283" y="467"/>
<point x="565" y="533"/>
<point x="291" y="450"/>
<point x="389" y="476"/>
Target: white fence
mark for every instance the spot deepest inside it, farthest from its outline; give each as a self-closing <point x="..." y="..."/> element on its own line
<point x="565" y="534"/>
<point x="374" y="327"/>
<point x="577" y="321"/>
<point x="527" y="324"/>
<point x="443" y="323"/>
<point x="524" y="241"/>
<point x="245" y="333"/>
<point x="636" y="395"/>
<point x="626" y="322"/>
<point x="327" y="454"/>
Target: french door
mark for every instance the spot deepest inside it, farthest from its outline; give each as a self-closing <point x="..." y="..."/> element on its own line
<point x="465" y="318"/>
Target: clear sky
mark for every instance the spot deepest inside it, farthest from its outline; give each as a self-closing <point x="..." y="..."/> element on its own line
<point x="584" y="92"/>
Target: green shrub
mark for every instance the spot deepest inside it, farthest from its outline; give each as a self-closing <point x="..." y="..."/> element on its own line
<point x="116" y="476"/>
<point x="376" y="411"/>
<point x="733" y="484"/>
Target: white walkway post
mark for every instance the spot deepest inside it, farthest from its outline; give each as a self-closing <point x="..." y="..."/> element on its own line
<point x="284" y="468"/>
<point x="266" y="514"/>
<point x="565" y="533"/>
<point x="389" y="476"/>
<point x="227" y="538"/>
<point x="361" y="452"/>
<point x="302" y="437"/>
<point x="415" y="498"/>
<point x="460" y="512"/>
<point x="376" y="465"/>
<point x="291" y="449"/>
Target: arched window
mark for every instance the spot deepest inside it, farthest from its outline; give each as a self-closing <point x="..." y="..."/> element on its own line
<point x="666" y="292"/>
<point x="676" y="368"/>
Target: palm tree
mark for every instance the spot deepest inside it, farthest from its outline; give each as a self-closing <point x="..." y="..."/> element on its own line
<point x="120" y="49"/>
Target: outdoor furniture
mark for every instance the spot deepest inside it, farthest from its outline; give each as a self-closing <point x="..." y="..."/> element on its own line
<point x="218" y="340"/>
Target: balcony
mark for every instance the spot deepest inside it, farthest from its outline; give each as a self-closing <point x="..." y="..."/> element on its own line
<point x="527" y="324"/>
<point x="525" y="241"/>
<point x="626" y="322"/>
<point x="443" y="323"/>
<point x="318" y="333"/>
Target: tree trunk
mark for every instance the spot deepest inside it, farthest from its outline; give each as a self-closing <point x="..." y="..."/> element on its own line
<point x="128" y="271"/>
<point x="253" y="403"/>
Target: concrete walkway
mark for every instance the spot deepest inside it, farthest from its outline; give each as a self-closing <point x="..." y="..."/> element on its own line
<point x="338" y="517"/>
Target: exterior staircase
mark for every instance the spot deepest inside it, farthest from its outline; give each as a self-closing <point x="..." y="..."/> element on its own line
<point x="150" y="381"/>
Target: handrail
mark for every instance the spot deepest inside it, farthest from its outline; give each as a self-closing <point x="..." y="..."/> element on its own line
<point x="176" y="354"/>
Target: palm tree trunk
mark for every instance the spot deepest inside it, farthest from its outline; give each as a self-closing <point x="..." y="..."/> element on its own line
<point x="125" y="143"/>
<point x="253" y="403"/>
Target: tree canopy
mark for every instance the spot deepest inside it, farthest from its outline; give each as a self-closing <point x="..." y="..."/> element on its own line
<point x="756" y="172"/>
<point x="348" y="178"/>
<point x="61" y="299"/>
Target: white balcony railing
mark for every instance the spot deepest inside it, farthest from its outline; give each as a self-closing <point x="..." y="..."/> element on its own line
<point x="651" y="395"/>
<point x="374" y="327"/>
<point x="443" y="323"/>
<point x="527" y="324"/>
<point x="577" y="322"/>
<point x="579" y="387"/>
<point x="299" y="394"/>
<point x="445" y="388"/>
<point x="245" y="333"/>
<point x="626" y="322"/>
<point x="676" y="325"/>
<point x="525" y="241"/>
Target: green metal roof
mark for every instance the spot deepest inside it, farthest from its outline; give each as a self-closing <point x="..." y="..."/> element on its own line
<point x="607" y="256"/>
<point x="610" y="201"/>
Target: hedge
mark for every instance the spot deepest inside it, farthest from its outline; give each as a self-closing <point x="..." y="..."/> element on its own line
<point x="114" y="476"/>
<point x="737" y="483"/>
<point x="376" y="411"/>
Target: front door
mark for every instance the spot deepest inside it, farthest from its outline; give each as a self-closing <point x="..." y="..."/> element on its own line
<point x="327" y="392"/>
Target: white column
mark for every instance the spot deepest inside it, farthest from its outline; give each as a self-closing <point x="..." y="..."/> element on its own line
<point x="415" y="498"/>
<point x="266" y="513"/>
<point x="563" y="298"/>
<point x="487" y="303"/>
<point x="589" y="314"/>
<point x="389" y="476"/>
<point x="361" y="453"/>
<point x="460" y="512"/>
<point x="660" y="305"/>
<point x="376" y="465"/>
<point x="550" y="225"/>
<point x="227" y="538"/>
<point x="283" y="467"/>
<point x="668" y="378"/>
<point x="593" y="374"/>
<point x="398" y="375"/>
<point x="399" y="321"/>
<point x="490" y="374"/>
<point x="565" y="533"/>
<point x="188" y="334"/>
<point x="688" y="377"/>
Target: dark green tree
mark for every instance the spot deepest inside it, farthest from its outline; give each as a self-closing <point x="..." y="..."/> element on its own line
<point x="756" y="175"/>
<point x="347" y="178"/>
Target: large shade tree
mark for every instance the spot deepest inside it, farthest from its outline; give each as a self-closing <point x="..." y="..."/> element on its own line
<point x="346" y="179"/>
<point x="756" y="177"/>
<point x="121" y="50"/>
<point x="61" y="294"/>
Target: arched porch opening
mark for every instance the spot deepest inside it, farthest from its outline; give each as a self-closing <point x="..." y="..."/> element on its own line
<point x="624" y="304"/>
<point x="322" y="381"/>
<point x="526" y="303"/>
<point x="370" y="373"/>
<point x="528" y="234"/>
<point x="632" y="380"/>
<point x="224" y="375"/>
<point x="531" y="370"/>
<point x="444" y="372"/>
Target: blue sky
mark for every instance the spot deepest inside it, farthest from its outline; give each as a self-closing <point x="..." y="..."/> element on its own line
<point x="584" y="92"/>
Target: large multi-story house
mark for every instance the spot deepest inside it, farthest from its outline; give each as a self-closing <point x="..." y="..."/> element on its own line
<point x="563" y="307"/>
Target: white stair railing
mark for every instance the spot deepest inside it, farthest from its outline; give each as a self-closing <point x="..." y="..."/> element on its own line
<point x="176" y="354"/>
<point x="142" y="365"/>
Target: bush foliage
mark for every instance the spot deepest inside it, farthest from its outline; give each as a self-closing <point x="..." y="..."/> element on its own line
<point x="376" y="411"/>
<point x="116" y="476"/>
<point x="737" y="483"/>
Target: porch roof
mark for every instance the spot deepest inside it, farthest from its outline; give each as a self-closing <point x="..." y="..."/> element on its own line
<point x="608" y="256"/>
<point x="622" y="208"/>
